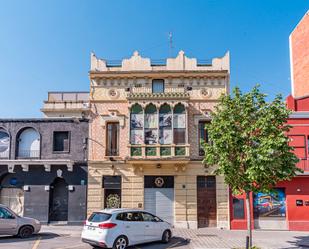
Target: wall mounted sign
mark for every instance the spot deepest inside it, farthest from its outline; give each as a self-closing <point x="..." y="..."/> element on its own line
<point x="299" y="203"/>
<point x="159" y="182"/>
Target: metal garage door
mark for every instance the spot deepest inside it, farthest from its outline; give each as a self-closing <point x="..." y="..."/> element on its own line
<point x="13" y="198"/>
<point x="159" y="196"/>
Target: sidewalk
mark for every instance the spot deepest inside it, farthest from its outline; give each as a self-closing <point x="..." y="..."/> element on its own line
<point x="210" y="238"/>
<point x="215" y="238"/>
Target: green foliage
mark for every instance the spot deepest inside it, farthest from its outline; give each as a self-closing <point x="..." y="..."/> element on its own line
<point x="249" y="145"/>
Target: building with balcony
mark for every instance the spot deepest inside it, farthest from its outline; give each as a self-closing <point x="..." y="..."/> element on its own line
<point x="43" y="165"/>
<point x="288" y="207"/>
<point x="146" y="129"/>
<point x="66" y="104"/>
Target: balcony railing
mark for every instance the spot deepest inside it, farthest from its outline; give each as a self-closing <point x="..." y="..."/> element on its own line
<point x="303" y="164"/>
<point x="158" y="151"/>
<point x="68" y="97"/>
<point x="4" y="154"/>
<point x="28" y="154"/>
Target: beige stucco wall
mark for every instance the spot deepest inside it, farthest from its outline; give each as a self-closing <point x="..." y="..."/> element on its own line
<point x="185" y="206"/>
<point x="110" y="88"/>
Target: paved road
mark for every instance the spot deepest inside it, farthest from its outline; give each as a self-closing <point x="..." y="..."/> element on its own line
<point x="68" y="237"/>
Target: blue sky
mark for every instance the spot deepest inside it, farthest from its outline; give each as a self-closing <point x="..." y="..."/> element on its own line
<point x="45" y="45"/>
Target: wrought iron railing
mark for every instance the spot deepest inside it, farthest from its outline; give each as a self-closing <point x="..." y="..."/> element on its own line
<point x="5" y="154"/>
<point x="68" y="96"/>
<point x="28" y="154"/>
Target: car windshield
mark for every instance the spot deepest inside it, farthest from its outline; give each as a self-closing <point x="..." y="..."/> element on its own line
<point x="99" y="217"/>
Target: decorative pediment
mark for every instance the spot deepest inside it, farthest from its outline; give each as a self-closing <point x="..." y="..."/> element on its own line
<point x="113" y="116"/>
<point x="205" y="116"/>
<point x="136" y="63"/>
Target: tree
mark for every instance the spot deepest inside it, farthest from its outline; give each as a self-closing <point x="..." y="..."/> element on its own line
<point x="249" y="145"/>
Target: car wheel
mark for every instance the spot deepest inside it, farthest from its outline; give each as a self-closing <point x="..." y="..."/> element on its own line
<point x="166" y="237"/>
<point x="120" y="243"/>
<point x="25" y="231"/>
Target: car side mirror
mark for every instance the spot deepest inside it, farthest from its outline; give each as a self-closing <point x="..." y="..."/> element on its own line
<point x="156" y="219"/>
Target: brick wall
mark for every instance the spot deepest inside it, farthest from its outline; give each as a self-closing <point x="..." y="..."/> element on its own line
<point x="299" y="53"/>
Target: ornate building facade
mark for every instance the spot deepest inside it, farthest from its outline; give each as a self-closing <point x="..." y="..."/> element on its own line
<point x="147" y="122"/>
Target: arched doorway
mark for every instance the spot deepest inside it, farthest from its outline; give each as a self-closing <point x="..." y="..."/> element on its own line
<point x="58" y="200"/>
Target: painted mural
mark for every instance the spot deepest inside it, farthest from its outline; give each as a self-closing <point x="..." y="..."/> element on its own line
<point x="270" y="204"/>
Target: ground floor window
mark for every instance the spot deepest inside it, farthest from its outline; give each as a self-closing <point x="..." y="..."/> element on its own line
<point x="238" y="208"/>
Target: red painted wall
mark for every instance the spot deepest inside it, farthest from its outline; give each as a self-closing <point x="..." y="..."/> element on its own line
<point x="297" y="216"/>
<point x="299" y="52"/>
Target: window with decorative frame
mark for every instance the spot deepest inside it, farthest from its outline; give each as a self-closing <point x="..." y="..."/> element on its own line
<point x="112" y="139"/>
<point x="151" y="127"/>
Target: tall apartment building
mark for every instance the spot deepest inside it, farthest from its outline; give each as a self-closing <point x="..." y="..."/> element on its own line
<point x="147" y="124"/>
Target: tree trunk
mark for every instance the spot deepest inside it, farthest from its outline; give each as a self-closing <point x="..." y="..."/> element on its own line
<point x="249" y="230"/>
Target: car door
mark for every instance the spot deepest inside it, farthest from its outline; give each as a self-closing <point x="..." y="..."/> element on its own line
<point x="153" y="230"/>
<point x="8" y="222"/>
<point x="134" y="226"/>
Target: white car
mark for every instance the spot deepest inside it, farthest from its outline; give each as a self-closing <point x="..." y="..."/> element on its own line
<point x="119" y="228"/>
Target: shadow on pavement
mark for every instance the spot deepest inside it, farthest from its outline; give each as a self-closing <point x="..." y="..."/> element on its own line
<point x="300" y="242"/>
<point x="41" y="236"/>
<point x="174" y="243"/>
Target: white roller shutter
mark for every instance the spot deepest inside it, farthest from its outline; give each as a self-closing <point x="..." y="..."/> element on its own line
<point x="160" y="201"/>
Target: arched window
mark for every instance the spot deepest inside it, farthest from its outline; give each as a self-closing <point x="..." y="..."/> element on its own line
<point x="165" y="124"/>
<point x="151" y="124"/>
<point x="179" y="124"/>
<point x="4" y="143"/>
<point x="137" y="125"/>
<point x="28" y="143"/>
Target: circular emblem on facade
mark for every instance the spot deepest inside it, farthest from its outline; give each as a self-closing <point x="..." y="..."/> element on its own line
<point x="113" y="201"/>
<point x="113" y="93"/>
<point x="205" y="93"/>
<point x="159" y="182"/>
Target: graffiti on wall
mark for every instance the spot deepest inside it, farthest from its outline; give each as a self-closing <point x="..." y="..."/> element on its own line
<point x="270" y="204"/>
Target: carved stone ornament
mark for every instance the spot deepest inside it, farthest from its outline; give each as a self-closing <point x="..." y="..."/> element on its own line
<point x="59" y="173"/>
<point x="159" y="182"/>
<point x="113" y="93"/>
<point x="205" y="93"/>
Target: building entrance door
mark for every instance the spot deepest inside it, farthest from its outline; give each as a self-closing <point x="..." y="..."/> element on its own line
<point x="58" y="202"/>
<point x="206" y="201"/>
